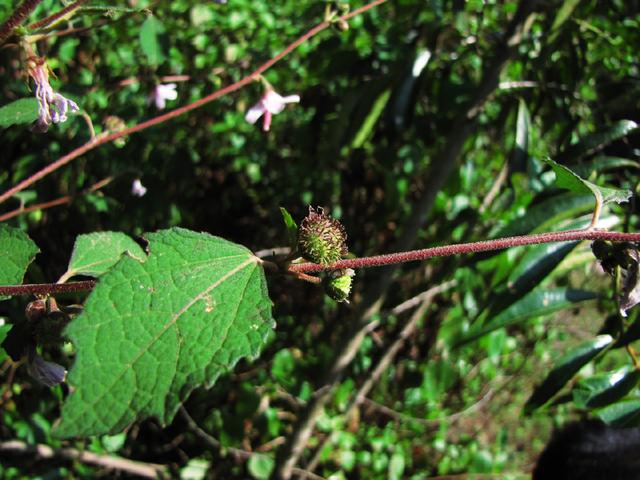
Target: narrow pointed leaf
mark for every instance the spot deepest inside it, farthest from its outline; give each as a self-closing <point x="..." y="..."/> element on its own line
<point x="152" y="331"/>
<point x="565" y="178"/>
<point x="536" y="303"/>
<point x="95" y="253"/>
<point x="565" y="369"/>
<point x="291" y="226"/>
<point x="24" y="110"/>
<point x="621" y="414"/>
<point x="17" y="251"/>
<point x="597" y="141"/>
<point x="606" y="388"/>
<point x="370" y="120"/>
<point x="521" y="147"/>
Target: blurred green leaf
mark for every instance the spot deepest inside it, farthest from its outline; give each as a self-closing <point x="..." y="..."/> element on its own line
<point x="621" y="414"/>
<point x="598" y="140"/>
<point x="150" y="33"/>
<point x="564" y="370"/>
<point x="538" y="302"/>
<point x="24" y="110"/>
<point x="260" y="466"/>
<point x="605" y="388"/>
<point x="370" y="120"/>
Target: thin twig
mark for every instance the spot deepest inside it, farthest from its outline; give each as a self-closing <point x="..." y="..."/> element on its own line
<point x="141" y="469"/>
<point x="181" y="110"/>
<point x="238" y="453"/>
<point x="385" y="361"/>
<point x="56" y="202"/>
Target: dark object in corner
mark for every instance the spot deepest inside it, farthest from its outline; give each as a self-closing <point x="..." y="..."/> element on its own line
<point x="590" y="450"/>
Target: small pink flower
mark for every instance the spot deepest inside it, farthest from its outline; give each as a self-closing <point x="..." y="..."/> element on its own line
<point x="161" y="93"/>
<point x="270" y="104"/>
<point x="52" y="106"/>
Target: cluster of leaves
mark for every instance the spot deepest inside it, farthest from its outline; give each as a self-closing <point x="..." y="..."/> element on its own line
<point x="175" y="315"/>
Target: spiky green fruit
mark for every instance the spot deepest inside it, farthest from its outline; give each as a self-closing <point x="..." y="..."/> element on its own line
<point x="338" y="285"/>
<point x="321" y="239"/>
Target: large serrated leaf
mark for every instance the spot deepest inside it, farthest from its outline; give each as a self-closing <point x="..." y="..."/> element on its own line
<point x="565" y="178"/>
<point x="536" y="303"/>
<point x="150" y="33"/>
<point x="24" y="110"/>
<point x="17" y="251"/>
<point x="95" y="253"/>
<point x="565" y="369"/>
<point x="152" y="331"/>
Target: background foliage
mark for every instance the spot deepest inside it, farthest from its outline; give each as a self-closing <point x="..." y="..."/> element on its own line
<point x="366" y="131"/>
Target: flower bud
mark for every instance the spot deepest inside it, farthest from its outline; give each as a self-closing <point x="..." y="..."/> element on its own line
<point x="338" y="285"/>
<point x="321" y="239"/>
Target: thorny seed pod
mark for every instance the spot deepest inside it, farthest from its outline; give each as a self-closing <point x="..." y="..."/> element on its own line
<point x="321" y="239"/>
<point x="338" y="285"/>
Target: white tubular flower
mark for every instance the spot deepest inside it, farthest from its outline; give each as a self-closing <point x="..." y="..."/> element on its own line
<point x="270" y="104"/>
<point x="161" y="93"/>
<point x="52" y="106"/>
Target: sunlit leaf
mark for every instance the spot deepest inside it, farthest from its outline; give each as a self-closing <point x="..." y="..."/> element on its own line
<point x="152" y="331"/>
<point x="605" y="388"/>
<point x="95" y="253"/>
<point x="565" y="178"/>
<point x="621" y="414"/>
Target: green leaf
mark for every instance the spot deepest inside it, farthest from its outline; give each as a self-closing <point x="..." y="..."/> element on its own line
<point x="565" y="369"/>
<point x="24" y="110"/>
<point x="564" y="13"/>
<point x="605" y="388"/>
<point x="150" y="33"/>
<point x="95" y="253"/>
<point x="153" y="331"/>
<point x="292" y="227"/>
<point x="4" y="330"/>
<point x="603" y="163"/>
<point x="17" y="251"/>
<point x="260" y="466"/>
<point x="565" y="178"/>
<point x="621" y="414"/>
<point x="536" y="303"/>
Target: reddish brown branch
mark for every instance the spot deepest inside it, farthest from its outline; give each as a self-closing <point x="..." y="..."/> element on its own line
<point x="461" y="248"/>
<point x="178" y="111"/>
<point x="52" y="18"/>
<point x="46" y="288"/>
<point x="17" y="17"/>
<point x="53" y="203"/>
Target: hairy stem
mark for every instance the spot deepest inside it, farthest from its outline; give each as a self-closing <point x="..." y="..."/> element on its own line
<point x="94" y="143"/>
<point x="17" y="17"/>
<point x="473" y="247"/>
<point x="47" y="288"/>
